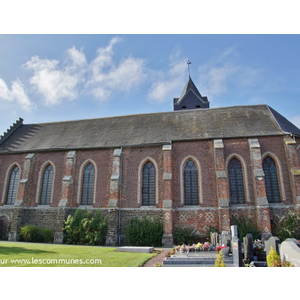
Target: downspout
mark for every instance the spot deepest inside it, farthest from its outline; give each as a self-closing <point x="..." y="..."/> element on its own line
<point x="120" y="197"/>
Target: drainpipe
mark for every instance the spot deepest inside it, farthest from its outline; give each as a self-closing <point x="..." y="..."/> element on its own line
<point x="120" y="197"/>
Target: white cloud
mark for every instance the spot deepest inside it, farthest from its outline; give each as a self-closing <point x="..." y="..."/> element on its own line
<point x="107" y="77"/>
<point x="16" y="95"/>
<point x="57" y="81"/>
<point x="77" y="58"/>
<point x="54" y="82"/>
<point x="169" y="84"/>
<point x="4" y="91"/>
<point x="225" y="72"/>
<point x="216" y="78"/>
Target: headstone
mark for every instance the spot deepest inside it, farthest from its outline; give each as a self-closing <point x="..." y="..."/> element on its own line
<point x="234" y="231"/>
<point x="265" y="236"/>
<point x="248" y="248"/>
<point x="225" y="251"/>
<point x="214" y="238"/>
<point x="225" y="238"/>
<point x="237" y="252"/>
<point x="274" y="242"/>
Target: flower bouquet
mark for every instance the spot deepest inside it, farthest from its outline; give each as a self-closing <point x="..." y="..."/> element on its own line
<point x="190" y="248"/>
<point x="198" y="247"/>
<point x="206" y="246"/>
<point x="258" y="247"/>
<point x="259" y="250"/>
<point x="219" y="248"/>
<point x="181" y="249"/>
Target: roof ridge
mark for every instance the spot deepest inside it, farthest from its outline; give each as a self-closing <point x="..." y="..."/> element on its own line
<point x="151" y="113"/>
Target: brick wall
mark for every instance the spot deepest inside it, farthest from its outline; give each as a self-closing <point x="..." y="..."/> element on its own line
<point x="103" y="163"/>
<point x="132" y="158"/>
<point x="202" y="151"/>
<point x="169" y="167"/>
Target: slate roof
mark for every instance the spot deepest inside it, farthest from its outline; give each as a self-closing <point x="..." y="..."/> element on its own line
<point x="190" y="85"/>
<point x="149" y="129"/>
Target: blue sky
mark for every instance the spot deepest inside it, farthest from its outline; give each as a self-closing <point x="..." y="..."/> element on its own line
<point x="46" y="78"/>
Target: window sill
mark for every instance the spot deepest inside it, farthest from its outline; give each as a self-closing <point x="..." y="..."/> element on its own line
<point x="85" y="206"/>
<point x="148" y="207"/>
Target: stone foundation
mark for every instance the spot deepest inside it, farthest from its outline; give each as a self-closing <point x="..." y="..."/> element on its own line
<point x="195" y="218"/>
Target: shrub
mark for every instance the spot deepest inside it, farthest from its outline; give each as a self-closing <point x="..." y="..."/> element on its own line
<point x="245" y="226"/>
<point x="34" y="234"/>
<point x="31" y="233"/>
<point x="47" y="235"/>
<point x="85" y="228"/>
<point x="144" y="232"/>
<point x="287" y="226"/>
<point x="219" y="262"/>
<point x="273" y="260"/>
<point x="184" y="235"/>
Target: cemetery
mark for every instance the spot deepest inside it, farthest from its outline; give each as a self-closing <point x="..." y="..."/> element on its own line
<point x="227" y="250"/>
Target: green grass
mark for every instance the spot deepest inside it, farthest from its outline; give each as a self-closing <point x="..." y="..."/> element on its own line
<point x="44" y="255"/>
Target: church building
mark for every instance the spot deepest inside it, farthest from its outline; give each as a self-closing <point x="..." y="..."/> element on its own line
<point x="195" y="166"/>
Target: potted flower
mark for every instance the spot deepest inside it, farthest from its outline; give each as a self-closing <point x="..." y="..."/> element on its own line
<point x="259" y="250"/>
<point x="181" y="248"/>
<point x="198" y="247"/>
<point x="191" y="248"/>
<point x="219" y="249"/>
<point x="206" y="246"/>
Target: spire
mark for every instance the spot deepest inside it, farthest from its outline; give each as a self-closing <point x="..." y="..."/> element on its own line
<point x="190" y="97"/>
<point x="188" y="63"/>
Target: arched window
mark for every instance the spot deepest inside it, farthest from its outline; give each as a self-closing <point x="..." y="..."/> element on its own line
<point x="236" y="182"/>
<point x="191" y="196"/>
<point x="46" y="186"/>
<point x="148" y="184"/>
<point x="271" y="180"/>
<point x="13" y="186"/>
<point x="88" y="185"/>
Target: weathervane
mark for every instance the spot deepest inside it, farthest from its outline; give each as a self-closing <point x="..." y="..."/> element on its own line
<point x="188" y="63"/>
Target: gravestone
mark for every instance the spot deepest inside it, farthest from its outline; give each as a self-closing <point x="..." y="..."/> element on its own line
<point x="226" y="240"/>
<point x="214" y="238"/>
<point x="236" y="247"/>
<point x="237" y="252"/>
<point x="248" y="248"/>
<point x="234" y="231"/>
<point x="274" y="242"/>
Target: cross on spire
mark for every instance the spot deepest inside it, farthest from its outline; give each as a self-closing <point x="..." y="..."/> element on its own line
<point x="188" y="63"/>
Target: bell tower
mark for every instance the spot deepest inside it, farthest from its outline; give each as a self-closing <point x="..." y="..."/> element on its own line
<point x="190" y="97"/>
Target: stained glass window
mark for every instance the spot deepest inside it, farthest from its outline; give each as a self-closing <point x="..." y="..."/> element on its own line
<point x="271" y="180"/>
<point x="13" y="186"/>
<point x="236" y="182"/>
<point x="148" y="184"/>
<point x="191" y="196"/>
<point x="46" y="186"/>
<point x="88" y="185"/>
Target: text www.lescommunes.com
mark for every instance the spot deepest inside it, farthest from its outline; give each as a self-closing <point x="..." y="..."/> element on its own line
<point x="50" y="261"/>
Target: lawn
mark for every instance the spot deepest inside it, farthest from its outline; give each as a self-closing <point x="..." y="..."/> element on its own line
<point x="50" y="255"/>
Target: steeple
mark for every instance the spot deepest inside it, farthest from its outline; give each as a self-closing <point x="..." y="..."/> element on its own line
<point x="190" y="97"/>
